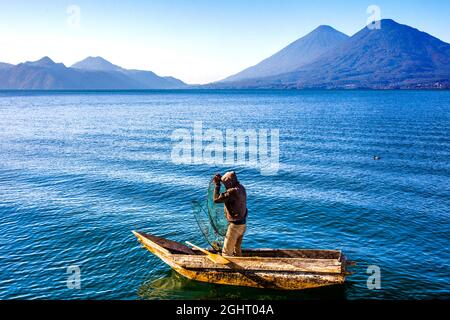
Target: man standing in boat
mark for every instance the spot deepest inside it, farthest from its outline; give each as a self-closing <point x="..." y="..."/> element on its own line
<point x="235" y="201"/>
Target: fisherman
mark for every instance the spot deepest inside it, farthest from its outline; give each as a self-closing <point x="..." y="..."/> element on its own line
<point x="235" y="201"/>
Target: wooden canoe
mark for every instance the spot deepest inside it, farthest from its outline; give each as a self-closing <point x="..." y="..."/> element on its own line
<point x="285" y="269"/>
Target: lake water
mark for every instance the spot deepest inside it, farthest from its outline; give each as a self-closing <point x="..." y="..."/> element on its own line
<point x="79" y="171"/>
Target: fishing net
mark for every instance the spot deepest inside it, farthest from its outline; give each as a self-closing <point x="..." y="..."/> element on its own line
<point x="211" y="219"/>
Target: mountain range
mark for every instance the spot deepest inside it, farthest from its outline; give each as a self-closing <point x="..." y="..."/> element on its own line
<point x="395" y="56"/>
<point x="92" y="73"/>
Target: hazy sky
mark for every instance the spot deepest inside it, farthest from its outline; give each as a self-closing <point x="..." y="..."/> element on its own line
<point x="197" y="41"/>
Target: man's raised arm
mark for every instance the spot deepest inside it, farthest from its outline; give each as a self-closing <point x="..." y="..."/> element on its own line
<point x="220" y="197"/>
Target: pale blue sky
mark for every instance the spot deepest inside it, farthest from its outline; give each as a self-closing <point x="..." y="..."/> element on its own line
<point x="197" y="41"/>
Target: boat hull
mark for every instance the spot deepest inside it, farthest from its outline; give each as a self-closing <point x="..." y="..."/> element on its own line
<point x="289" y="271"/>
<point x="264" y="279"/>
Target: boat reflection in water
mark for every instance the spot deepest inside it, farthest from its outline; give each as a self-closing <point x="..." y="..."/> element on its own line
<point x="173" y="286"/>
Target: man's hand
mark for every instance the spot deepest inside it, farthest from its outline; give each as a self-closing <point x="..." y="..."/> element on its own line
<point x="217" y="178"/>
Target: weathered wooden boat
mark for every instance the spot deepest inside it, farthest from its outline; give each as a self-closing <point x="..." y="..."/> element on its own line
<point x="285" y="269"/>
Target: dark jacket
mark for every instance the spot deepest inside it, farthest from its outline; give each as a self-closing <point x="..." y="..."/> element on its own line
<point x="235" y="201"/>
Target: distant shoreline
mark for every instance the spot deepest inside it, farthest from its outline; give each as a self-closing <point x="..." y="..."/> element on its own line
<point x="213" y="90"/>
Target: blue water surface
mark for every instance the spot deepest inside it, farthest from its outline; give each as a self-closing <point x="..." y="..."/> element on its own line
<point x="80" y="170"/>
